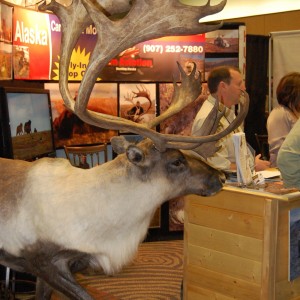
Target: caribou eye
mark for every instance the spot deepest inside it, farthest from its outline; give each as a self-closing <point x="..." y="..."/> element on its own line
<point x="177" y="163"/>
<point x="176" y="166"/>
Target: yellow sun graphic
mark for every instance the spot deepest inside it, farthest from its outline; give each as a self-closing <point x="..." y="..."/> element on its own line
<point x="77" y="67"/>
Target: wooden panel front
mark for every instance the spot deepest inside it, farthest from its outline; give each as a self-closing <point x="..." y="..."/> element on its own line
<point x="227" y="242"/>
<point x="227" y="220"/>
<point x="228" y="286"/>
<point x="236" y="246"/>
<point x="224" y="239"/>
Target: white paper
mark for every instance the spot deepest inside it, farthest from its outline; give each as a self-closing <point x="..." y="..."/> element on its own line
<point x="244" y="174"/>
<point x="270" y="173"/>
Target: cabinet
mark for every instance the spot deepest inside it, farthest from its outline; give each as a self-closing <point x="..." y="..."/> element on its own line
<point x="236" y="246"/>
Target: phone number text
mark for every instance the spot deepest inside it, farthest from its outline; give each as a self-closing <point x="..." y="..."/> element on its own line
<point x="172" y="49"/>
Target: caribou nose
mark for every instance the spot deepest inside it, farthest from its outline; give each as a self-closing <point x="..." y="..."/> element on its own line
<point x="215" y="184"/>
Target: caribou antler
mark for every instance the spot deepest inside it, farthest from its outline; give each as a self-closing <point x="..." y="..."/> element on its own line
<point x="119" y="27"/>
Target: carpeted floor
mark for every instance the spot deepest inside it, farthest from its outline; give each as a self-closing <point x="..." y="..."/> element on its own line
<point x="156" y="273"/>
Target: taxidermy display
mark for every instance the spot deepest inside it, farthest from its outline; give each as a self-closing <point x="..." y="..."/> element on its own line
<point x="57" y="219"/>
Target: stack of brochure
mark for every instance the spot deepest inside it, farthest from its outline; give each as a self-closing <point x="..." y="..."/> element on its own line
<point x="244" y="174"/>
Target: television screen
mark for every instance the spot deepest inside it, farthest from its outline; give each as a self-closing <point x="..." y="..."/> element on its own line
<point x="29" y="129"/>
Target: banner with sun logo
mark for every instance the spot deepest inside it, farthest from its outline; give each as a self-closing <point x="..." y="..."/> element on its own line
<point x="36" y="47"/>
<point x="37" y="42"/>
<point x="81" y="52"/>
<point x="36" y="52"/>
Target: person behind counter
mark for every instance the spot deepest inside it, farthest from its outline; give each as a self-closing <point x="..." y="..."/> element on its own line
<point x="226" y="84"/>
<point x="288" y="160"/>
<point x="283" y="117"/>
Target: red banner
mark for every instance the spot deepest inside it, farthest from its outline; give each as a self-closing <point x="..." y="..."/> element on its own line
<point x="31" y="44"/>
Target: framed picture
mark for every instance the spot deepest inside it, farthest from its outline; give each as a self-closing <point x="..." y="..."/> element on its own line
<point x="137" y="101"/>
<point x="5" y="61"/>
<point x="182" y="122"/>
<point x="6" y="13"/>
<point x="21" y="62"/>
<point x="69" y="129"/>
<point x="213" y="62"/>
<point x="222" y="41"/>
<point x="26" y="123"/>
<point x="6" y="42"/>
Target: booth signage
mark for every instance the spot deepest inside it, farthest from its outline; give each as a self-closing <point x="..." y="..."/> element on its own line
<point x="37" y="40"/>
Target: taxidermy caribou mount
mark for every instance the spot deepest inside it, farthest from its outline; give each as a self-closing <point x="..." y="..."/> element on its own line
<point x="56" y="219"/>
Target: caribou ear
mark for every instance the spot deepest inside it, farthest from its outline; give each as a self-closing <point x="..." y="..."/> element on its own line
<point x="119" y="144"/>
<point x="134" y="154"/>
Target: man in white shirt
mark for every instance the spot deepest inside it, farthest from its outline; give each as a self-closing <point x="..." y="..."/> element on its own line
<point x="227" y="85"/>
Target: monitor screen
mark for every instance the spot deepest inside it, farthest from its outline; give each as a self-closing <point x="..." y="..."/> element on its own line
<point x="30" y="123"/>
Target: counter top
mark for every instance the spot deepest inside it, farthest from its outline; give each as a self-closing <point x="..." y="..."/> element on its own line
<point x="275" y="189"/>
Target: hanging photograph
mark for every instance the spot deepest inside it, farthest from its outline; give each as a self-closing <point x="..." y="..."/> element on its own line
<point x="137" y="101"/>
<point x="180" y="123"/>
<point x="222" y="41"/>
<point x="27" y="121"/>
<point x="69" y="129"/>
<point x="5" y="61"/>
<point x="5" y="42"/>
<point x="211" y="63"/>
<point x="21" y="62"/>
<point x="6" y="23"/>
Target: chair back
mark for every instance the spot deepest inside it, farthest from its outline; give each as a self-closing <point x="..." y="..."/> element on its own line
<point x="262" y="141"/>
<point x="86" y="157"/>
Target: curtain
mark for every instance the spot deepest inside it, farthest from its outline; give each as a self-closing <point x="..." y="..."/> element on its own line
<point x="257" y="47"/>
<point x="284" y="58"/>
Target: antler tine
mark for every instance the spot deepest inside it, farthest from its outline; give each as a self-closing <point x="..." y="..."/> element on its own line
<point x="72" y="28"/>
<point x="192" y="142"/>
<point x="183" y="95"/>
<point x="205" y="144"/>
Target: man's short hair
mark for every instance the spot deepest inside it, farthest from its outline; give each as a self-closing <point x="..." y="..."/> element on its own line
<point x="217" y="75"/>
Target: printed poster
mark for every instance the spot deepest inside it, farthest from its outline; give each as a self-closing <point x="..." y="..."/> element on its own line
<point x="5" y="42"/>
<point x="31" y="45"/>
<point x="37" y="41"/>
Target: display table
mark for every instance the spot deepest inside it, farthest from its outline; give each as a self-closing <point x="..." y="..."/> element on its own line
<point x="236" y="244"/>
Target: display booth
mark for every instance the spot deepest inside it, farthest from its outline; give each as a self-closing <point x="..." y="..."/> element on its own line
<point x="243" y="244"/>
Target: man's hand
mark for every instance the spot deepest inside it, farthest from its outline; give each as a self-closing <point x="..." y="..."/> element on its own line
<point x="260" y="164"/>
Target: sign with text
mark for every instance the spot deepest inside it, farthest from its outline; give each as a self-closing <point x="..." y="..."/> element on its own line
<point x="37" y="40"/>
<point x="155" y="60"/>
<point x="31" y="44"/>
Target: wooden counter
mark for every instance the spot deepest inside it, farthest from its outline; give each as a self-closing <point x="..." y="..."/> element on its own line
<point x="236" y="246"/>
